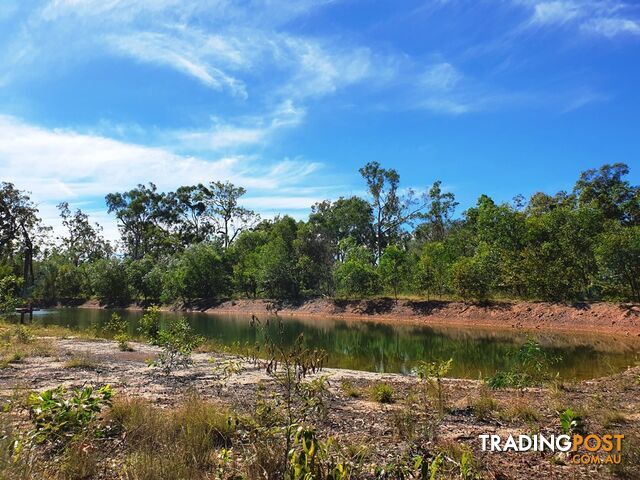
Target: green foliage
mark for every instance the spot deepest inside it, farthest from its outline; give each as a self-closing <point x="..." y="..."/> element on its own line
<point x="199" y="243"/>
<point x="394" y="269"/>
<point x="177" y="342"/>
<point x="531" y="366"/>
<point x="618" y="256"/>
<point x="356" y="275"/>
<point x="569" y="422"/>
<point x="9" y="291"/>
<point x="472" y="277"/>
<point x="108" y="279"/>
<point x="149" y="324"/>
<point x="118" y="327"/>
<point x="382" y="392"/>
<point x="431" y="374"/>
<point x="199" y="272"/>
<point x="311" y="458"/>
<point x="58" y="415"/>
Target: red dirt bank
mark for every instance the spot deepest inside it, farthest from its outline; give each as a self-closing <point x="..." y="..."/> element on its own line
<point x="606" y="318"/>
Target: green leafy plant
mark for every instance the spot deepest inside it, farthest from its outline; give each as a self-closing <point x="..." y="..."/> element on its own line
<point x="382" y="393"/>
<point x="177" y="342"/>
<point x="149" y="324"/>
<point x="58" y="414"/>
<point x="531" y="366"/>
<point x="311" y="458"/>
<point x="570" y="422"/>
<point x="431" y="375"/>
<point x="118" y="327"/>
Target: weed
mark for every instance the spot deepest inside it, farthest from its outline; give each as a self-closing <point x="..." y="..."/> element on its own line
<point x="532" y="366"/>
<point x="58" y="414"/>
<point x="569" y="421"/>
<point x="177" y="342"/>
<point x="485" y="405"/>
<point x="149" y="324"/>
<point x="431" y="375"/>
<point x="84" y="361"/>
<point x="349" y="389"/>
<point x="382" y="392"/>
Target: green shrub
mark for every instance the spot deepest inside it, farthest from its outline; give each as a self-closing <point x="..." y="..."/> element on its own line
<point x="177" y="342"/>
<point x="58" y="414"/>
<point x="382" y="393"/>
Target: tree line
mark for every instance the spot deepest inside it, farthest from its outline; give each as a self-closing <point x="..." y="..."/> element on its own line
<point x="199" y="242"/>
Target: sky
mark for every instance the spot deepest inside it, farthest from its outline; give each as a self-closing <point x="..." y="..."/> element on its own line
<point x="290" y="98"/>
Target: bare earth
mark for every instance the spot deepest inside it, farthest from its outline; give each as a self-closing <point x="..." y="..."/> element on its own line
<point x="357" y="419"/>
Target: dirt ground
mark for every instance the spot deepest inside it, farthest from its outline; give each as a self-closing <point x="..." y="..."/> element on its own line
<point x="607" y="405"/>
<point x="605" y="318"/>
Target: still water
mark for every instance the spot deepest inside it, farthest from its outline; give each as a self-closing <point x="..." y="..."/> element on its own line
<point x="382" y="347"/>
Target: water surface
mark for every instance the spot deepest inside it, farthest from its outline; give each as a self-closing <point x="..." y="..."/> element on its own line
<point x="381" y="347"/>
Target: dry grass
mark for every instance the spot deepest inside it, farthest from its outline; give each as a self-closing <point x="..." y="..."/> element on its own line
<point x="200" y="428"/>
<point x="83" y="360"/>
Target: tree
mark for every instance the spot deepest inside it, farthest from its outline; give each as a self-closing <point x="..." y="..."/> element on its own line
<point x="221" y="205"/>
<point x="442" y="205"/>
<point x="245" y="256"/>
<point x="190" y="214"/>
<point x="345" y="218"/>
<point x="108" y="279"/>
<point x="394" y="268"/>
<point x="618" y="255"/>
<point x="471" y="277"/>
<point x="558" y="260"/>
<point x="146" y="218"/>
<point x="430" y="270"/>
<point x="278" y="261"/>
<point x="356" y="276"/>
<point x="83" y="242"/>
<point x="606" y="189"/>
<point x="199" y="272"/>
<point x="20" y="228"/>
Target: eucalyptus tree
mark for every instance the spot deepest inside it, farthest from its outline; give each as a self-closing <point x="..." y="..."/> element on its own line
<point x="226" y="216"/>
<point x="83" y="241"/>
<point x="392" y="211"/>
<point x="20" y="228"/>
<point x="607" y="190"/>
<point x="146" y="219"/>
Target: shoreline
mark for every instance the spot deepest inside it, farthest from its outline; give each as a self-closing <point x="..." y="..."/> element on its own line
<point x="594" y="318"/>
<point x="353" y="415"/>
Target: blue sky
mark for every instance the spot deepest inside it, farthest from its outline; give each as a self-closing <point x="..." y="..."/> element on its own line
<point x="289" y="98"/>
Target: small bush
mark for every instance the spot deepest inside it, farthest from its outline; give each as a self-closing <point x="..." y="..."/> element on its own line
<point x="177" y="342"/>
<point x="82" y="361"/>
<point x="382" y="393"/>
<point x="349" y="389"/>
<point x="569" y="421"/>
<point x="58" y="414"/>
<point x="484" y="406"/>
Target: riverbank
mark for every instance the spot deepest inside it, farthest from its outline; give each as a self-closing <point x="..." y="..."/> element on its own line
<point x="382" y="433"/>
<point x="601" y="317"/>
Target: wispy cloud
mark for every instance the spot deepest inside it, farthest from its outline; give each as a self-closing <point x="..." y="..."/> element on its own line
<point x="612" y="27"/>
<point x="608" y="18"/>
<point x="66" y="165"/>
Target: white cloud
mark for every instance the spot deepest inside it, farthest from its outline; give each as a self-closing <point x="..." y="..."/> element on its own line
<point x="255" y="130"/>
<point x="441" y="76"/>
<point x="608" y="18"/>
<point x="59" y="165"/>
<point x="193" y="54"/>
<point x="546" y="13"/>
<point x="612" y="27"/>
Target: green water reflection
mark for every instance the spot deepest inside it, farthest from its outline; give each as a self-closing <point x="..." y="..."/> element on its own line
<point x="378" y="347"/>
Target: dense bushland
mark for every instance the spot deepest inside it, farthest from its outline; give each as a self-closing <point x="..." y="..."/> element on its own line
<point x="199" y="243"/>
